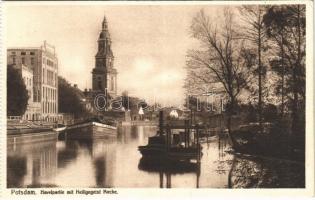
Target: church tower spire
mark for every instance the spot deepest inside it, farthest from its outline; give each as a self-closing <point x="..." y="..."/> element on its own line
<point x="104" y="74"/>
<point x="104" y="24"/>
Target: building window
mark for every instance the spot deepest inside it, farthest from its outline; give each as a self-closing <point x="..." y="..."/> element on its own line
<point x="13" y="53"/>
<point x="50" y="63"/>
<point x="32" y="61"/>
<point x="23" y="60"/>
<point x="14" y="60"/>
<point x="44" y="60"/>
<point x="23" y="53"/>
<point x="32" y="53"/>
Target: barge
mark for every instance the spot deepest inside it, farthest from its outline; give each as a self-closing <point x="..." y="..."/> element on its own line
<point x="90" y="130"/>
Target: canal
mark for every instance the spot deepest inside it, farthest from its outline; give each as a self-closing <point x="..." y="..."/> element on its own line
<point x="117" y="163"/>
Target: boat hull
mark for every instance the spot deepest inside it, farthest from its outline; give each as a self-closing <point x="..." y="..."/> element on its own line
<point x="178" y="154"/>
<point x="90" y="130"/>
<point x="58" y="130"/>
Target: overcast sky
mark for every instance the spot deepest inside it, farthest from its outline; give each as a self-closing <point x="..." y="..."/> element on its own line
<point x="149" y="42"/>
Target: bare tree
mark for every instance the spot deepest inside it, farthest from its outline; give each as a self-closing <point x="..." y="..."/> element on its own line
<point x="254" y="32"/>
<point x="221" y="57"/>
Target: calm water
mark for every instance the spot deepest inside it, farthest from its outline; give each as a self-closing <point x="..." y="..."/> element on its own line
<point x="117" y="163"/>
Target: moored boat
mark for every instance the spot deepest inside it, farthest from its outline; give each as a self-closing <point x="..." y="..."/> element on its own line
<point x="157" y="148"/>
<point x="90" y="130"/>
<point x="173" y="142"/>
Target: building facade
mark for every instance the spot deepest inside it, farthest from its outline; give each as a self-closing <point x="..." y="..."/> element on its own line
<point x="43" y="63"/>
<point x="104" y="75"/>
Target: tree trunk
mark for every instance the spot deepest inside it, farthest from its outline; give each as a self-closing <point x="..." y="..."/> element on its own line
<point x="229" y="120"/>
<point x="295" y="118"/>
<point x="282" y="77"/>
<point x="259" y="77"/>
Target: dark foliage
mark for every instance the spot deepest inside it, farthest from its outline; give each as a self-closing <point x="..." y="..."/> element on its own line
<point x="69" y="99"/>
<point x="286" y="28"/>
<point x="17" y="95"/>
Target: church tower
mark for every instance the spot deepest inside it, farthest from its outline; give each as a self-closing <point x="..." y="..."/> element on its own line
<point x="104" y="75"/>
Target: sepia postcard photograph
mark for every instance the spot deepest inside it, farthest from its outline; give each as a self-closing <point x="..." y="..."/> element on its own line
<point x="98" y="97"/>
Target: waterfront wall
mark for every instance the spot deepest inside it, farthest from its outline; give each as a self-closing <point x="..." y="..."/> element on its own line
<point x="32" y="137"/>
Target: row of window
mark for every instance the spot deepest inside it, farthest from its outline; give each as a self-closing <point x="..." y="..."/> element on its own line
<point x="49" y="107"/>
<point x="49" y="77"/>
<point x="36" y="97"/>
<point x="49" y="62"/>
<point x="23" y="53"/>
<point x="32" y="61"/>
<point x="23" y="60"/>
<point x="49" y="94"/>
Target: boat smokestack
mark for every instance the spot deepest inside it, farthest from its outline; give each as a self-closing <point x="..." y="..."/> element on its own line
<point x="161" y="122"/>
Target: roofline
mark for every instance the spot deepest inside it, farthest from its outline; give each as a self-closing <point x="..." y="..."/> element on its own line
<point x="23" y="48"/>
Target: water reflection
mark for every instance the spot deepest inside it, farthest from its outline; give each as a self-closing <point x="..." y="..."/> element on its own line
<point x="117" y="163"/>
<point x="112" y="163"/>
<point x="168" y="168"/>
<point x="30" y="165"/>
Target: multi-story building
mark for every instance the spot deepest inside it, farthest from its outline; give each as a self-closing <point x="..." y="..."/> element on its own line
<point x="43" y="62"/>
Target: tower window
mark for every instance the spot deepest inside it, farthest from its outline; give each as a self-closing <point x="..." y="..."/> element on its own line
<point x="112" y="83"/>
<point x="23" y="61"/>
<point x="32" y="61"/>
<point x="100" y="85"/>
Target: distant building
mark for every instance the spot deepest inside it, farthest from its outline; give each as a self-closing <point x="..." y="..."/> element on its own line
<point x="104" y="75"/>
<point x="42" y="62"/>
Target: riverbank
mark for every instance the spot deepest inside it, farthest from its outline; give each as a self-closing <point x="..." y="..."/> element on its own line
<point x="263" y="172"/>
